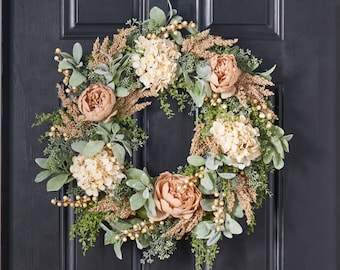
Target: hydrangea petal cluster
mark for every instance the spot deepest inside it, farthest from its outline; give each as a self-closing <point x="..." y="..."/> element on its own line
<point x="238" y="140"/>
<point x="155" y="62"/>
<point x="98" y="173"/>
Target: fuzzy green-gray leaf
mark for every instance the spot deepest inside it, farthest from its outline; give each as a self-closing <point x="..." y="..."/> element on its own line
<point x="122" y="92"/>
<point x="150" y="207"/>
<point x="109" y="238"/>
<point x="64" y="64"/>
<point x="77" y="78"/>
<point x="203" y="72"/>
<point x="117" y="247"/>
<point x="119" y="152"/>
<point x="207" y="182"/>
<point x="137" y="201"/>
<point x="158" y="16"/>
<point x="207" y="204"/>
<point x="78" y="146"/>
<point x="134" y="173"/>
<point x="232" y="225"/>
<point x="202" y="230"/>
<point x="42" y="162"/>
<point x="77" y="52"/>
<point x="267" y="73"/>
<point x="42" y="176"/>
<point x="196" y="160"/>
<point x="135" y="184"/>
<point x="56" y="182"/>
<point x="278" y="162"/>
<point x="214" y="238"/>
<point x="227" y="175"/>
<point x="92" y="148"/>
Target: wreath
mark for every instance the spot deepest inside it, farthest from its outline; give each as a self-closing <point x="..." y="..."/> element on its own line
<point x="92" y="136"/>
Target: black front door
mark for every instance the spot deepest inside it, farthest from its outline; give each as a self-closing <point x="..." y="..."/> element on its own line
<point x="296" y="229"/>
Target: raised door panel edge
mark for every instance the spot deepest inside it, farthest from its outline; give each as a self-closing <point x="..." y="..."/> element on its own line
<point x="271" y="29"/>
<point x="74" y="26"/>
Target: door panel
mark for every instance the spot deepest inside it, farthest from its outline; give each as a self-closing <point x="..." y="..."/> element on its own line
<point x="296" y="229"/>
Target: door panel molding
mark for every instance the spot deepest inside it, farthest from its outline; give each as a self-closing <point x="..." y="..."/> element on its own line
<point x="78" y="24"/>
<point x="272" y="27"/>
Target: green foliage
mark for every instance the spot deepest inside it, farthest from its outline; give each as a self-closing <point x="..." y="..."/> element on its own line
<point x="131" y="131"/>
<point x="74" y="63"/>
<point x="114" y="72"/>
<point x="86" y="227"/>
<point x="205" y="255"/>
<point x="53" y="118"/>
<point x="59" y="154"/>
<point x="162" y="247"/>
<point x="207" y="230"/>
<point x="140" y="181"/>
<point x="275" y="144"/>
<point x="176" y="93"/>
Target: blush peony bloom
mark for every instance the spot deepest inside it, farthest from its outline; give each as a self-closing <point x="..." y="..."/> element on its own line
<point x="96" y="103"/>
<point x="224" y="74"/>
<point x="175" y="196"/>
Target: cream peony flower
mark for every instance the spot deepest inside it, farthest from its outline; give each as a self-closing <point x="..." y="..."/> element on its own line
<point x="98" y="173"/>
<point x="155" y="62"/>
<point x="238" y="140"/>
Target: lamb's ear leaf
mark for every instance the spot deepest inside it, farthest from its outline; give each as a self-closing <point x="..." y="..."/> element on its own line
<point x="42" y="176"/>
<point x="92" y="148"/>
<point x="77" y="52"/>
<point x="158" y="15"/>
<point x="77" y="78"/>
<point x="196" y="160"/>
<point x="78" y="146"/>
<point x="56" y="182"/>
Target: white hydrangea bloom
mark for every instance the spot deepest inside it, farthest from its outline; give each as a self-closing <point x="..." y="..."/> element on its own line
<point x="155" y="62"/>
<point x="238" y="140"/>
<point x="98" y="173"/>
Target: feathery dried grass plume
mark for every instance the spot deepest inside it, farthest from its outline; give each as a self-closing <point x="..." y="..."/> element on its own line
<point x="230" y="202"/>
<point x="111" y="49"/>
<point x="254" y="87"/>
<point x="129" y="105"/>
<point x="198" y="45"/>
<point x="247" y="196"/>
<point x="185" y="225"/>
<point x="120" y="209"/>
<point x="71" y="118"/>
<point x="201" y="145"/>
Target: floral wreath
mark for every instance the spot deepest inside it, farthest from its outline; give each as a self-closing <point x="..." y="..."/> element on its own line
<point x="91" y="137"/>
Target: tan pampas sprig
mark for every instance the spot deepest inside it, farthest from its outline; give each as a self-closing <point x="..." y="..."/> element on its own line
<point x="201" y="145"/>
<point x="129" y="105"/>
<point x="70" y="117"/>
<point x="100" y="51"/>
<point x="253" y="87"/>
<point x="247" y="195"/>
<point x="185" y="225"/>
<point x="200" y="44"/>
<point x="114" y="208"/>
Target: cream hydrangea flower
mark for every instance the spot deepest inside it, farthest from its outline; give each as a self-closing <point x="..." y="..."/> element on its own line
<point x="155" y="62"/>
<point x="238" y="140"/>
<point x="98" y="173"/>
